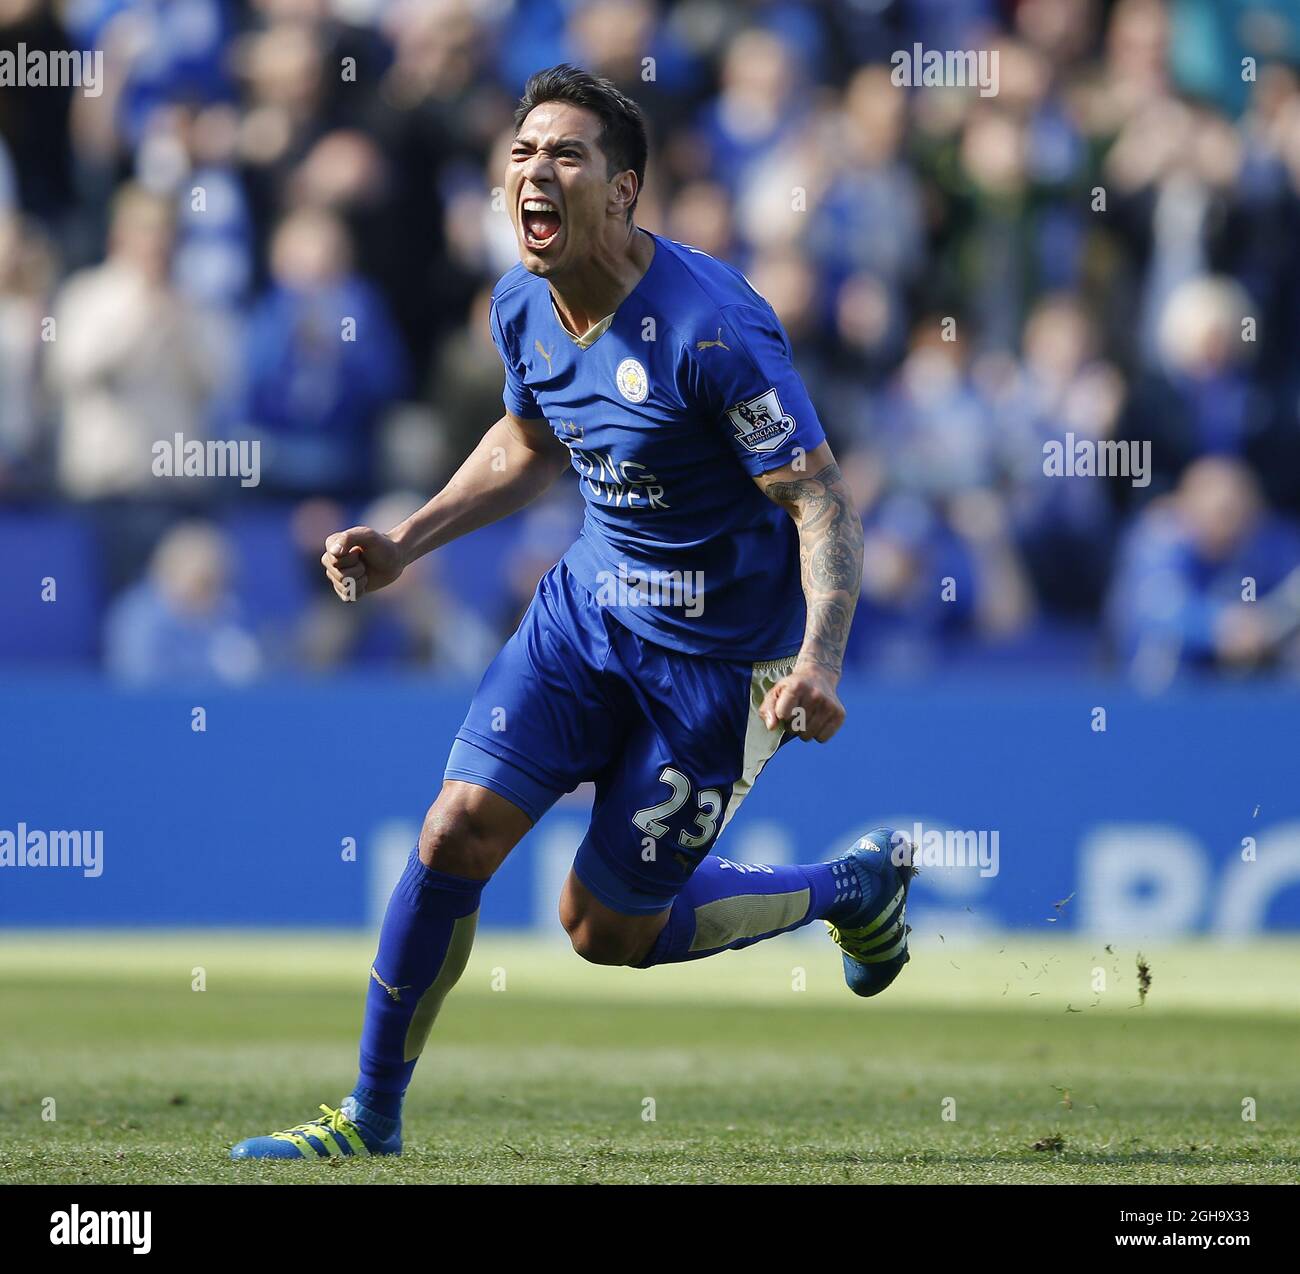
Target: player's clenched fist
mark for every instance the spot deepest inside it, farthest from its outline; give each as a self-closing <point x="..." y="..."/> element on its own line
<point x="360" y="560"/>
<point x="805" y="702"/>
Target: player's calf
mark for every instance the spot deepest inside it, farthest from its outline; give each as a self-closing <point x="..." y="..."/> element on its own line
<point x="601" y="935"/>
<point x="424" y="945"/>
<point x="727" y="905"/>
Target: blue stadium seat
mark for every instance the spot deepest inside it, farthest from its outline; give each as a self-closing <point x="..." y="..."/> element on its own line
<point x="270" y="578"/>
<point x="474" y="567"/>
<point x="41" y="545"/>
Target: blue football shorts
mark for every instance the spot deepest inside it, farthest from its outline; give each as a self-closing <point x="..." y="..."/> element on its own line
<point x="673" y="742"/>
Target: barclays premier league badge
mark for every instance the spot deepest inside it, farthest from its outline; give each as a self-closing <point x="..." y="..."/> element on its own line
<point x="760" y="423"/>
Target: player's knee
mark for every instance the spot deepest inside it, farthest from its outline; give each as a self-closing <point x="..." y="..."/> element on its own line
<point x="458" y="838"/>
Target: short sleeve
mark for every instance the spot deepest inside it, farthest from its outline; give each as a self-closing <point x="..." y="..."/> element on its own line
<point x="517" y="397"/>
<point x="745" y="381"/>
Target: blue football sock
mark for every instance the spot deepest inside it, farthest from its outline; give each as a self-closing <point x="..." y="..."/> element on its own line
<point x="726" y="906"/>
<point x="423" y="948"/>
<point x="387" y="1106"/>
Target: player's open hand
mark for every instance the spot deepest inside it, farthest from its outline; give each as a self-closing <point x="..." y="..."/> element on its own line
<point x="805" y="702"/>
<point x="360" y="560"/>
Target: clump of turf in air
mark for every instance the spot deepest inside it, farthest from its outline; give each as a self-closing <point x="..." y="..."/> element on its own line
<point x="1144" y="979"/>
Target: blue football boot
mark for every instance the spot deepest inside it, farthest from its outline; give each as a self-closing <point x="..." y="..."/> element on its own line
<point x="873" y="938"/>
<point x="350" y="1130"/>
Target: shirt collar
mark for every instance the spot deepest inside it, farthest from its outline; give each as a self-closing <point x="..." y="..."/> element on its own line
<point x="591" y="335"/>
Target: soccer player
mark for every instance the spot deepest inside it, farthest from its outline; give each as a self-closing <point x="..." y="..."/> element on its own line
<point x="698" y="622"/>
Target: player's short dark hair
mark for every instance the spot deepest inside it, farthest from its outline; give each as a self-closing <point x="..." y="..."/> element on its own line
<point x="622" y="125"/>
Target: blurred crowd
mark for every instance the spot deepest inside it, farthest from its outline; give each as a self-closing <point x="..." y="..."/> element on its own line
<point x="1106" y="249"/>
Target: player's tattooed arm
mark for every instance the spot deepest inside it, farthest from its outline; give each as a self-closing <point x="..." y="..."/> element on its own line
<point x="830" y="551"/>
<point x="830" y="558"/>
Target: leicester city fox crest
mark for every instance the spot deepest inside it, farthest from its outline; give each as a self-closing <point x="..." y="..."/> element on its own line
<point x="761" y="424"/>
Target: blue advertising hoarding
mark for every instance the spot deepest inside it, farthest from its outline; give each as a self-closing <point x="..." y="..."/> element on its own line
<point x="294" y="805"/>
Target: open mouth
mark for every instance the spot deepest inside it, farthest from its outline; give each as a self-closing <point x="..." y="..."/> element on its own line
<point x="540" y="219"/>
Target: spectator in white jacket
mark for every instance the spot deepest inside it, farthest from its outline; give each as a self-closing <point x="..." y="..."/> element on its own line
<point x="130" y="362"/>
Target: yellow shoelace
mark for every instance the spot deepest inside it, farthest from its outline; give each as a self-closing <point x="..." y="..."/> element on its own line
<point x="334" y="1121"/>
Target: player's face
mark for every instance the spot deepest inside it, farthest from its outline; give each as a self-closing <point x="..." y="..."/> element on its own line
<point x="558" y="187"/>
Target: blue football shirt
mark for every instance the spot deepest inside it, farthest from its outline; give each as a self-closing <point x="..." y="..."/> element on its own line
<point x="668" y="414"/>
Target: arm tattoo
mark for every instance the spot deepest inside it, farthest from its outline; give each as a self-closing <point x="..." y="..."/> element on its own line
<point x="830" y="559"/>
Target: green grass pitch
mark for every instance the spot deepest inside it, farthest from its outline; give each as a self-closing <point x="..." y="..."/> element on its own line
<point x="988" y="1063"/>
